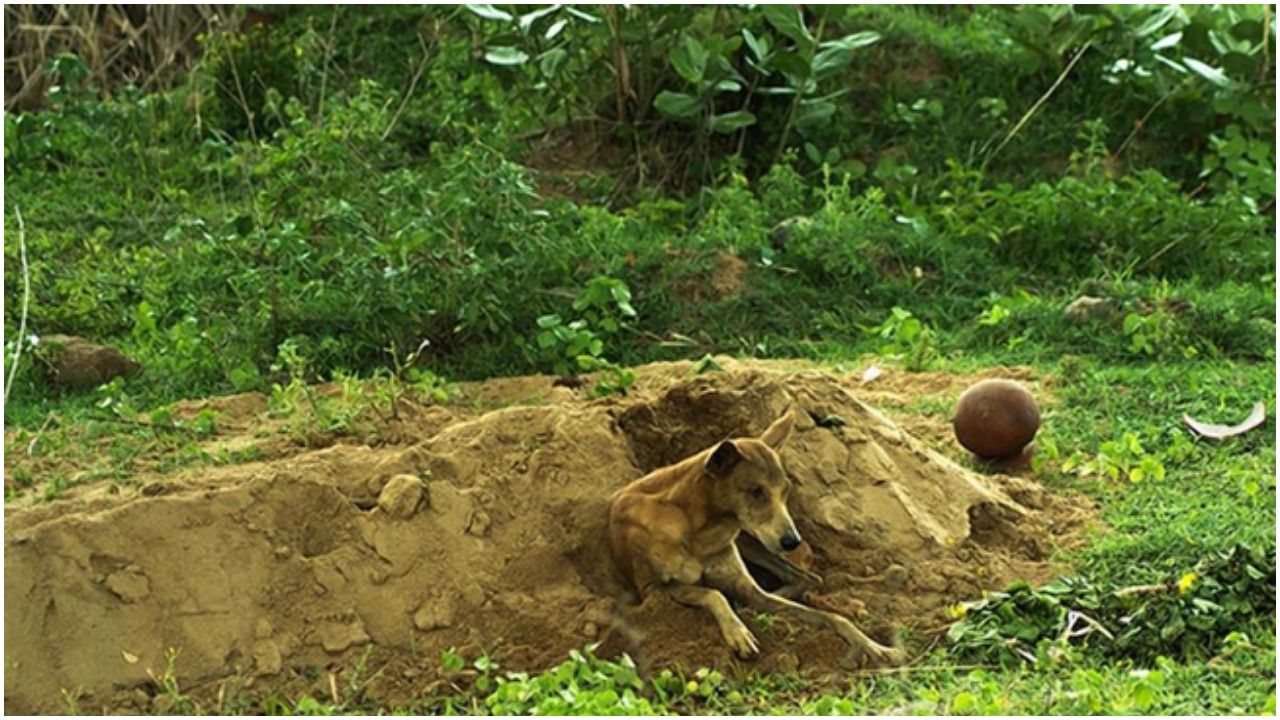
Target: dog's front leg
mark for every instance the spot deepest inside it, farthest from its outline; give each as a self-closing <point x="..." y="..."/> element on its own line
<point x="735" y="633"/>
<point x="730" y="574"/>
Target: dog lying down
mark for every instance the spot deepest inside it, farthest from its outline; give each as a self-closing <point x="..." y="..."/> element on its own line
<point x="676" y="530"/>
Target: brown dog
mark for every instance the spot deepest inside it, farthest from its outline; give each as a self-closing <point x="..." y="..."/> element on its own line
<point x="675" y="530"/>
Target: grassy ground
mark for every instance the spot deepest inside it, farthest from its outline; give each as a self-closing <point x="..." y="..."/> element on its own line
<point x="1211" y="498"/>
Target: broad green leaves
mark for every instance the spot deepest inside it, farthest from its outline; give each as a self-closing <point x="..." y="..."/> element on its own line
<point x="733" y="121"/>
<point x="836" y="55"/>
<point x="679" y="106"/>
<point x="689" y="59"/>
<point x="1158" y="20"/>
<point x="489" y="12"/>
<point x="791" y="63"/>
<point x="1212" y="74"/>
<point x="506" y="56"/>
<point x="788" y="20"/>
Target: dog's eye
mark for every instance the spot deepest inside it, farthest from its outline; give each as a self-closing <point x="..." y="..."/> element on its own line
<point x="758" y="494"/>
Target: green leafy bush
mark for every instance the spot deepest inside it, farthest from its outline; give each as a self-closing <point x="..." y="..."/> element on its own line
<point x="1187" y="617"/>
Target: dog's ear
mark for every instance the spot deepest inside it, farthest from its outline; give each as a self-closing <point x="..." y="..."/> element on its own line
<point x="723" y="459"/>
<point x="779" y="431"/>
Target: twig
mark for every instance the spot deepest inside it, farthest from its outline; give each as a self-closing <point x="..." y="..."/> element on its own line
<point x="1216" y="664"/>
<point x="1264" y="69"/>
<point x="1174" y="242"/>
<point x="1036" y="107"/>
<point x="324" y="75"/>
<point x="1143" y="590"/>
<point x="1069" y="629"/>
<point x="622" y="67"/>
<point x="244" y="101"/>
<point x="795" y="102"/>
<point x="26" y="303"/>
<point x="1137" y="127"/>
<point x="31" y="446"/>
<point x="413" y="84"/>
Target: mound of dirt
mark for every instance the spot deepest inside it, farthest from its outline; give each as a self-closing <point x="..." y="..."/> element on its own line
<point x="489" y="536"/>
<point x="78" y="363"/>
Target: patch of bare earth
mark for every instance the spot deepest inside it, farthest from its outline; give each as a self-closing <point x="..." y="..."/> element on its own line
<point x="491" y="539"/>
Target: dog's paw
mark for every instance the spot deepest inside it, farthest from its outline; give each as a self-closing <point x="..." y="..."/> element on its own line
<point x="741" y="641"/>
<point x="882" y="655"/>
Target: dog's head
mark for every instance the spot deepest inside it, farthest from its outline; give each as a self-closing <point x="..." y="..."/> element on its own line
<point x="749" y="482"/>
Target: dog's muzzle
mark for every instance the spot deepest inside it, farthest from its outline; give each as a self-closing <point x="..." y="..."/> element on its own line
<point x="789" y="542"/>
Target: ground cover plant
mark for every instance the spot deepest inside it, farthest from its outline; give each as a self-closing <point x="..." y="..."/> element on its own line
<point x="350" y="212"/>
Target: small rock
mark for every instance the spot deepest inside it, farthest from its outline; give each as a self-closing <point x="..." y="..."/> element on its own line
<point x="336" y="637"/>
<point x="262" y="629"/>
<point x="479" y="524"/>
<point x="590" y="630"/>
<point x="896" y="576"/>
<point x="78" y="363"/>
<point x="130" y="585"/>
<point x="282" y="551"/>
<point x="1087" y="306"/>
<point x="401" y="496"/>
<point x="162" y="704"/>
<point x="376" y="484"/>
<point x="267" y="658"/>
<point x="435" y="614"/>
<point x="560" y="395"/>
<point x="783" y="232"/>
<point x="141" y="699"/>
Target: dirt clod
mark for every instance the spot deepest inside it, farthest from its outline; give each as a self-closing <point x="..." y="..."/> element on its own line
<point x="285" y="566"/>
<point x="130" y="585"/>
<point x="401" y="496"/>
<point x="75" y="362"/>
<point x="338" y="636"/>
<point x="267" y="659"/>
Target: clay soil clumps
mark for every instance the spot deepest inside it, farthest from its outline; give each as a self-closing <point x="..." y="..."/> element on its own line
<point x="486" y="532"/>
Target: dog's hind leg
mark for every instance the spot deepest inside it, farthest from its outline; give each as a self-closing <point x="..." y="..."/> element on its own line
<point x="735" y="633"/>
<point x="728" y="573"/>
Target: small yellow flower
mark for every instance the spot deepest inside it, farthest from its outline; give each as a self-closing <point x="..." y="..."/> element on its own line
<point x="957" y="611"/>
<point x="1184" y="584"/>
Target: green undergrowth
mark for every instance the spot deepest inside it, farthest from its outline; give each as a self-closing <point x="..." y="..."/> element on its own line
<point x="312" y="187"/>
<point x="466" y="258"/>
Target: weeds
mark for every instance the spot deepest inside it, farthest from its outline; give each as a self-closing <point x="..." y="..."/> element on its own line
<point x="579" y="345"/>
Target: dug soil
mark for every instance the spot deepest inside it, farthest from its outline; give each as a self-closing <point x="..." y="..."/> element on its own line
<point x="480" y="525"/>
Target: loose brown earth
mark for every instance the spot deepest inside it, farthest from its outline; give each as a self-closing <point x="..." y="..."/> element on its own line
<point x="491" y="539"/>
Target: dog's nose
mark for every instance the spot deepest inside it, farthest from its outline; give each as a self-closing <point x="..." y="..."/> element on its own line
<point x="790" y="542"/>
